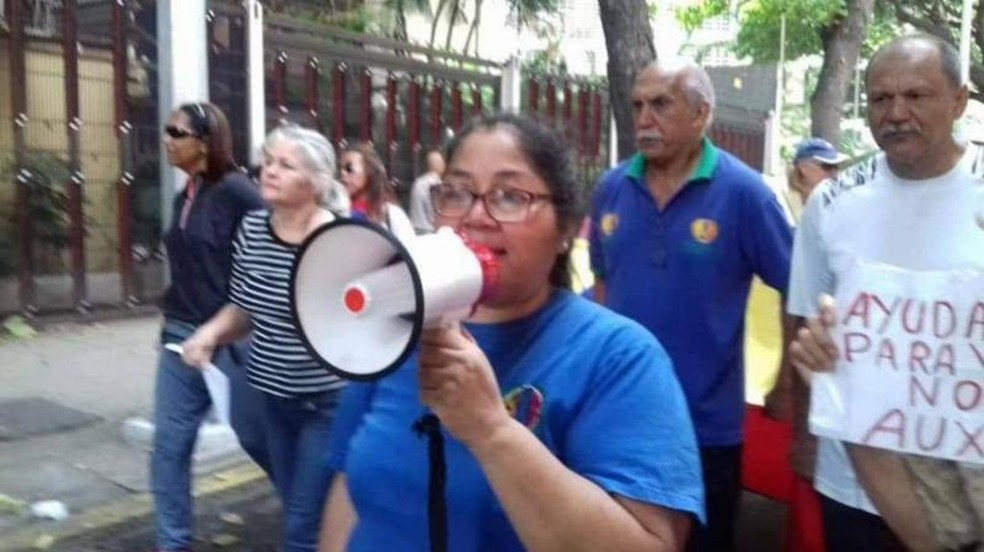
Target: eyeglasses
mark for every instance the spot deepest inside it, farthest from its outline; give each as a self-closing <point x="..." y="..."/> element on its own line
<point x="178" y="133"/>
<point x="502" y="204"/>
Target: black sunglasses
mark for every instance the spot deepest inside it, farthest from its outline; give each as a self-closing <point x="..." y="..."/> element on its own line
<point x="178" y="133"/>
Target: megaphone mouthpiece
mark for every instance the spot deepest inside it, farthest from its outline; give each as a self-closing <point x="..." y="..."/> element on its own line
<point x="489" y="266"/>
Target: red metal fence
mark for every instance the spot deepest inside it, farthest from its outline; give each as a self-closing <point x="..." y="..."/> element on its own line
<point x="579" y="109"/>
<point x="404" y="99"/>
<point x="743" y="141"/>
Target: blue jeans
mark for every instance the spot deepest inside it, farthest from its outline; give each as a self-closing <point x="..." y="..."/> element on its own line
<point x="181" y="402"/>
<point x="298" y="430"/>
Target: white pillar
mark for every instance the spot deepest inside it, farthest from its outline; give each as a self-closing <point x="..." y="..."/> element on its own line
<point x="257" y="90"/>
<point x="771" y="160"/>
<point x="182" y="60"/>
<point x="510" y="93"/>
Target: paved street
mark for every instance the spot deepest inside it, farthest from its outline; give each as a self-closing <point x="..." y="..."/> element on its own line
<point x="247" y="520"/>
<point x="64" y="397"/>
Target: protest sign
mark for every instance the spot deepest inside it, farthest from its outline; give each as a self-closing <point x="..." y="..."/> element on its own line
<point x="910" y="376"/>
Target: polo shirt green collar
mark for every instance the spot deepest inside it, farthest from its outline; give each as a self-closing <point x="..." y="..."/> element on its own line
<point x="703" y="171"/>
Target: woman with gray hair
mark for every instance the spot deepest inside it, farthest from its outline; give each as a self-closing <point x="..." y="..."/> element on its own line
<point x="300" y="396"/>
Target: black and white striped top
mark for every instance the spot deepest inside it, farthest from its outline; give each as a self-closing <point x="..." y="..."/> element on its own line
<point x="279" y="363"/>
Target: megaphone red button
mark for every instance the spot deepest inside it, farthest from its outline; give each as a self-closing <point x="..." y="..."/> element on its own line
<point x="355" y="300"/>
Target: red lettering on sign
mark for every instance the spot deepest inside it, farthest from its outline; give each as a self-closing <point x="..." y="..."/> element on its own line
<point x="888" y="311"/>
<point x="971" y="440"/>
<point x="859" y="309"/>
<point x="978" y="353"/>
<point x="908" y="324"/>
<point x="886" y="350"/>
<point x="940" y="433"/>
<point x="976" y="321"/>
<point x="854" y="343"/>
<point x="892" y="423"/>
<point x="930" y="397"/>
<point x="944" y="316"/>
<point x="944" y="359"/>
<point x="918" y="353"/>
<point x="967" y="395"/>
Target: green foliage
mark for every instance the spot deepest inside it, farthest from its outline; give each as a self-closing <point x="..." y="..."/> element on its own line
<point x="360" y="20"/>
<point x="760" y="23"/>
<point x="47" y="199"/>
<point x="758" y="36"/>
<point x="527" y="11"/>
<point x="882" y="28"/>
<point x="549" y="60"/>
<point x="693" y="16"/>
<point x="44" y="177"/>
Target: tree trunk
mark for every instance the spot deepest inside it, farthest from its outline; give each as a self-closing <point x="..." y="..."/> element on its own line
<point x="629" y="41"/>
<point x="841" y="45"/>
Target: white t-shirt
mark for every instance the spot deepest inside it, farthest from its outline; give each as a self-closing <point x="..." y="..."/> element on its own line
<point x="421" y="211"/>
<point x="868" y="213"/>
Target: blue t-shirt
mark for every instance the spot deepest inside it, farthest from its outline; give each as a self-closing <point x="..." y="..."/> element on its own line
<point x="684" y="272"/>
<point x="594" y="387"/>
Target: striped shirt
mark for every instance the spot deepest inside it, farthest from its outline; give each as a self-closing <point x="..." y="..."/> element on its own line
<point x="279" y="363"/>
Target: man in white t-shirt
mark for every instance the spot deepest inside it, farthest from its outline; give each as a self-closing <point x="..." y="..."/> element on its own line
<point x="918" y="205"/>
<point x="421" y="211"/>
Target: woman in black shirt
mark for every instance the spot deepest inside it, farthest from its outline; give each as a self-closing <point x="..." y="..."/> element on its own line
<point x="198" y="141"/>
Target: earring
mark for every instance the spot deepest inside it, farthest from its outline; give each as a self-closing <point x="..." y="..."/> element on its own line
<point x="565" y="246"/>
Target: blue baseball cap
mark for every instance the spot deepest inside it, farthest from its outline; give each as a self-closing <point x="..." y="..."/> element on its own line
<point x="820" y="150"/>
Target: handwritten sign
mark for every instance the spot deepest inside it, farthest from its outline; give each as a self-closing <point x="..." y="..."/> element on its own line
<point x="910" y="376"/>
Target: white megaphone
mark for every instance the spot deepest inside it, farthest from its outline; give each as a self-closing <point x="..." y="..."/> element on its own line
<point x="360" y="297"/>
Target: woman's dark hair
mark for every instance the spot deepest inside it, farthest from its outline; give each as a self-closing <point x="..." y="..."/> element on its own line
<point x="550" y="158"/>
<point x="212" y="128"/>
<point x="377" y="182"/>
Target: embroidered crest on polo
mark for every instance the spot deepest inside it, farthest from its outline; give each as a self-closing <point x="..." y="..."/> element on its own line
<point x="704" y="230"/>
<point x="609" y="222"/>
<point x="525" y="404"/>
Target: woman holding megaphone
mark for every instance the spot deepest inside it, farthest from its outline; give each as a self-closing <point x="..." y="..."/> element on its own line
<point x="296" y="182"/>
<point x="564" y="426"/>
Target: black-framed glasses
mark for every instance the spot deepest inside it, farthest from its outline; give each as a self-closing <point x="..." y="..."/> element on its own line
<point x="178" y="133"/>
<point x="502" y="204"/>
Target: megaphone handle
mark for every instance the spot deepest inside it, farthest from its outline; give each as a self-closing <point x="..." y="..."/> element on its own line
<point x="437" y="512"/>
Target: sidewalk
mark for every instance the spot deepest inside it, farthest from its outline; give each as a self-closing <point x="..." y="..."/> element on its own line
<point x="66" y="397"/>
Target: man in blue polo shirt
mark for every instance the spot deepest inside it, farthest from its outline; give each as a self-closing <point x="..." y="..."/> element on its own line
<point x="678" y="231"/>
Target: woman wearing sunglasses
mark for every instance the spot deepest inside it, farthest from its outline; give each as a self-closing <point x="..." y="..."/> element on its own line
<point x="362" y="173"/>
<point x="198" y="142"/>
<point x="564" y="425"/>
